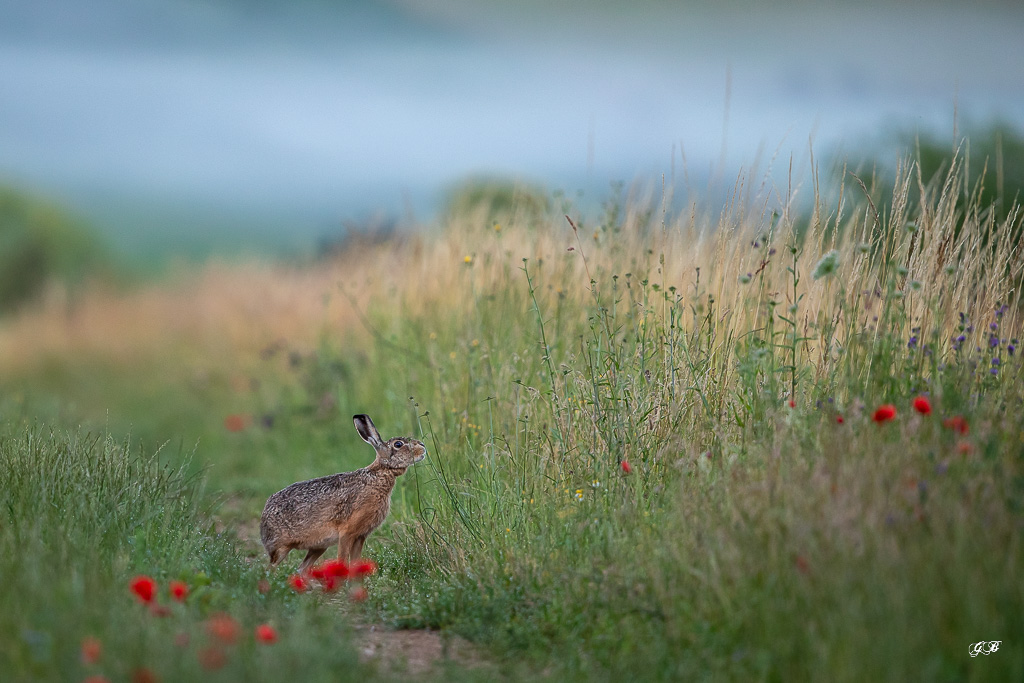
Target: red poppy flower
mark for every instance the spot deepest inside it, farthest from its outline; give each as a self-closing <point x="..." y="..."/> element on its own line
<point x="364" y="568"/>
<point x="234" y="423"/>
<point x="298" y="583"/>
<point x="839" y="419"/>
<point x="223" y="627"/>
<point x="884" y="413"/>
<point x="144" y="588"/>
<point x="337" y="569"/>
<point x="212" y="658"/>
<point x="265" y="633"/>
<point x="329" y="583"/>
<point x="92" y="648"/>
<point x="179" y="591"/>
<point x="923" y="405"/>
<point x="957" y="423"/>
<point x="144" y="675"/>
<point x="792" y="403"/>
<point x="625" y="467"/>
<point x="358" y="594"/>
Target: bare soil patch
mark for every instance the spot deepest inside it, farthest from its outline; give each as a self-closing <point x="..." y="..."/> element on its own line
<point x="416" y="652"/>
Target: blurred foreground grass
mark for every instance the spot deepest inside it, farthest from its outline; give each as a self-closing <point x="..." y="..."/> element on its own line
<point x="769" y="527"/>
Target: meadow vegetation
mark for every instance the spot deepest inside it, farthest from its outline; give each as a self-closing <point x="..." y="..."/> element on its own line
<point x="750" y="443"/>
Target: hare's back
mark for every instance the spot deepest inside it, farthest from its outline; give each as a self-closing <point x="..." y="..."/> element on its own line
<point x="301" y="515"/>
<point x="304" y="497"/>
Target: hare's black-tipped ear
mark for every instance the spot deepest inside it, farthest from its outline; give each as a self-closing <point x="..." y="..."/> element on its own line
<point x="364" y="425"/>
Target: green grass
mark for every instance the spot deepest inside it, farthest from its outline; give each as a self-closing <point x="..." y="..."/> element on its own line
<point x="756" y="537"/>
<point x="82" y="515"/>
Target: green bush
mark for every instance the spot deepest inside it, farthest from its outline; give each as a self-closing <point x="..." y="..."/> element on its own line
<point x="41" y="243"/>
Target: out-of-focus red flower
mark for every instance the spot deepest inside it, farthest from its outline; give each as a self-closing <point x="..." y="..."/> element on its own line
<point x="179" y="591"/>
<point x="358" y="594"/>
<point x="263" y="586"/>
<point x="91" y="650"/>
<point x="144" y="588"/>
<point x="235" y="423"/>
<point x="965" y="448"/>
<point x="363" y="568"/>
<point x="957" y="423"/>
<point x="884" y="413"/>
<point x="298" y="583"/>
<point x="223" y="627"/>
<point x="791" y="403"/>
<point x="626" y="467"/>
<point x="265" y="633"/>
<point x="327" y="581"/>
<point x="839" y="419"/>
<point x="144" y="675"/>
<point x="802" y="565"/>
<point x="336" y="568"/>
<point x="923" y="405"/>
<point x="212" y="658"/>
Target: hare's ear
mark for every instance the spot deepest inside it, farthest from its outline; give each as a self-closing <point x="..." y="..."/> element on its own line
<point x="364" y="425"/>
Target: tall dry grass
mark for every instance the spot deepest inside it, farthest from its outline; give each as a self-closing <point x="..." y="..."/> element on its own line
<point x="959" y="257"/>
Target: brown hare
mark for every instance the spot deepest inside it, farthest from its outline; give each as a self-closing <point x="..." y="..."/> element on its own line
<point x="341" y="508"/>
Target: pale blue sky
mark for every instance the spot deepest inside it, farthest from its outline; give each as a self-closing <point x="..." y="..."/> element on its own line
<point x="322" y="111"/>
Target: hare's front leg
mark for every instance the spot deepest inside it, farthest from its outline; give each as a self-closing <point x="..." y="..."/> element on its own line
<point x="350" y="548"/>
<point x="357" y="548"/>
<point x="345" y="544"/>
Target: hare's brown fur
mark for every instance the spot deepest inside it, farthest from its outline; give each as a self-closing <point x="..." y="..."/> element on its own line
<point x="341" y="508"/>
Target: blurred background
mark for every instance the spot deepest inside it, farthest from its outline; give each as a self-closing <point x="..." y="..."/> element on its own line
<point x="191" y="127"/>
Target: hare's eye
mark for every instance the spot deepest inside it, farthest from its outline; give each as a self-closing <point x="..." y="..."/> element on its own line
<point x="399" y="444"/>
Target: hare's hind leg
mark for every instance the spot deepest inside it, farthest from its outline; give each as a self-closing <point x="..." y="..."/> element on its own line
<point x="276" y="555"/>
<point x="312" y="555"/>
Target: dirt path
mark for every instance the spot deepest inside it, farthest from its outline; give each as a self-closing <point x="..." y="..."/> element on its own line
<point x="416" y="652"/>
